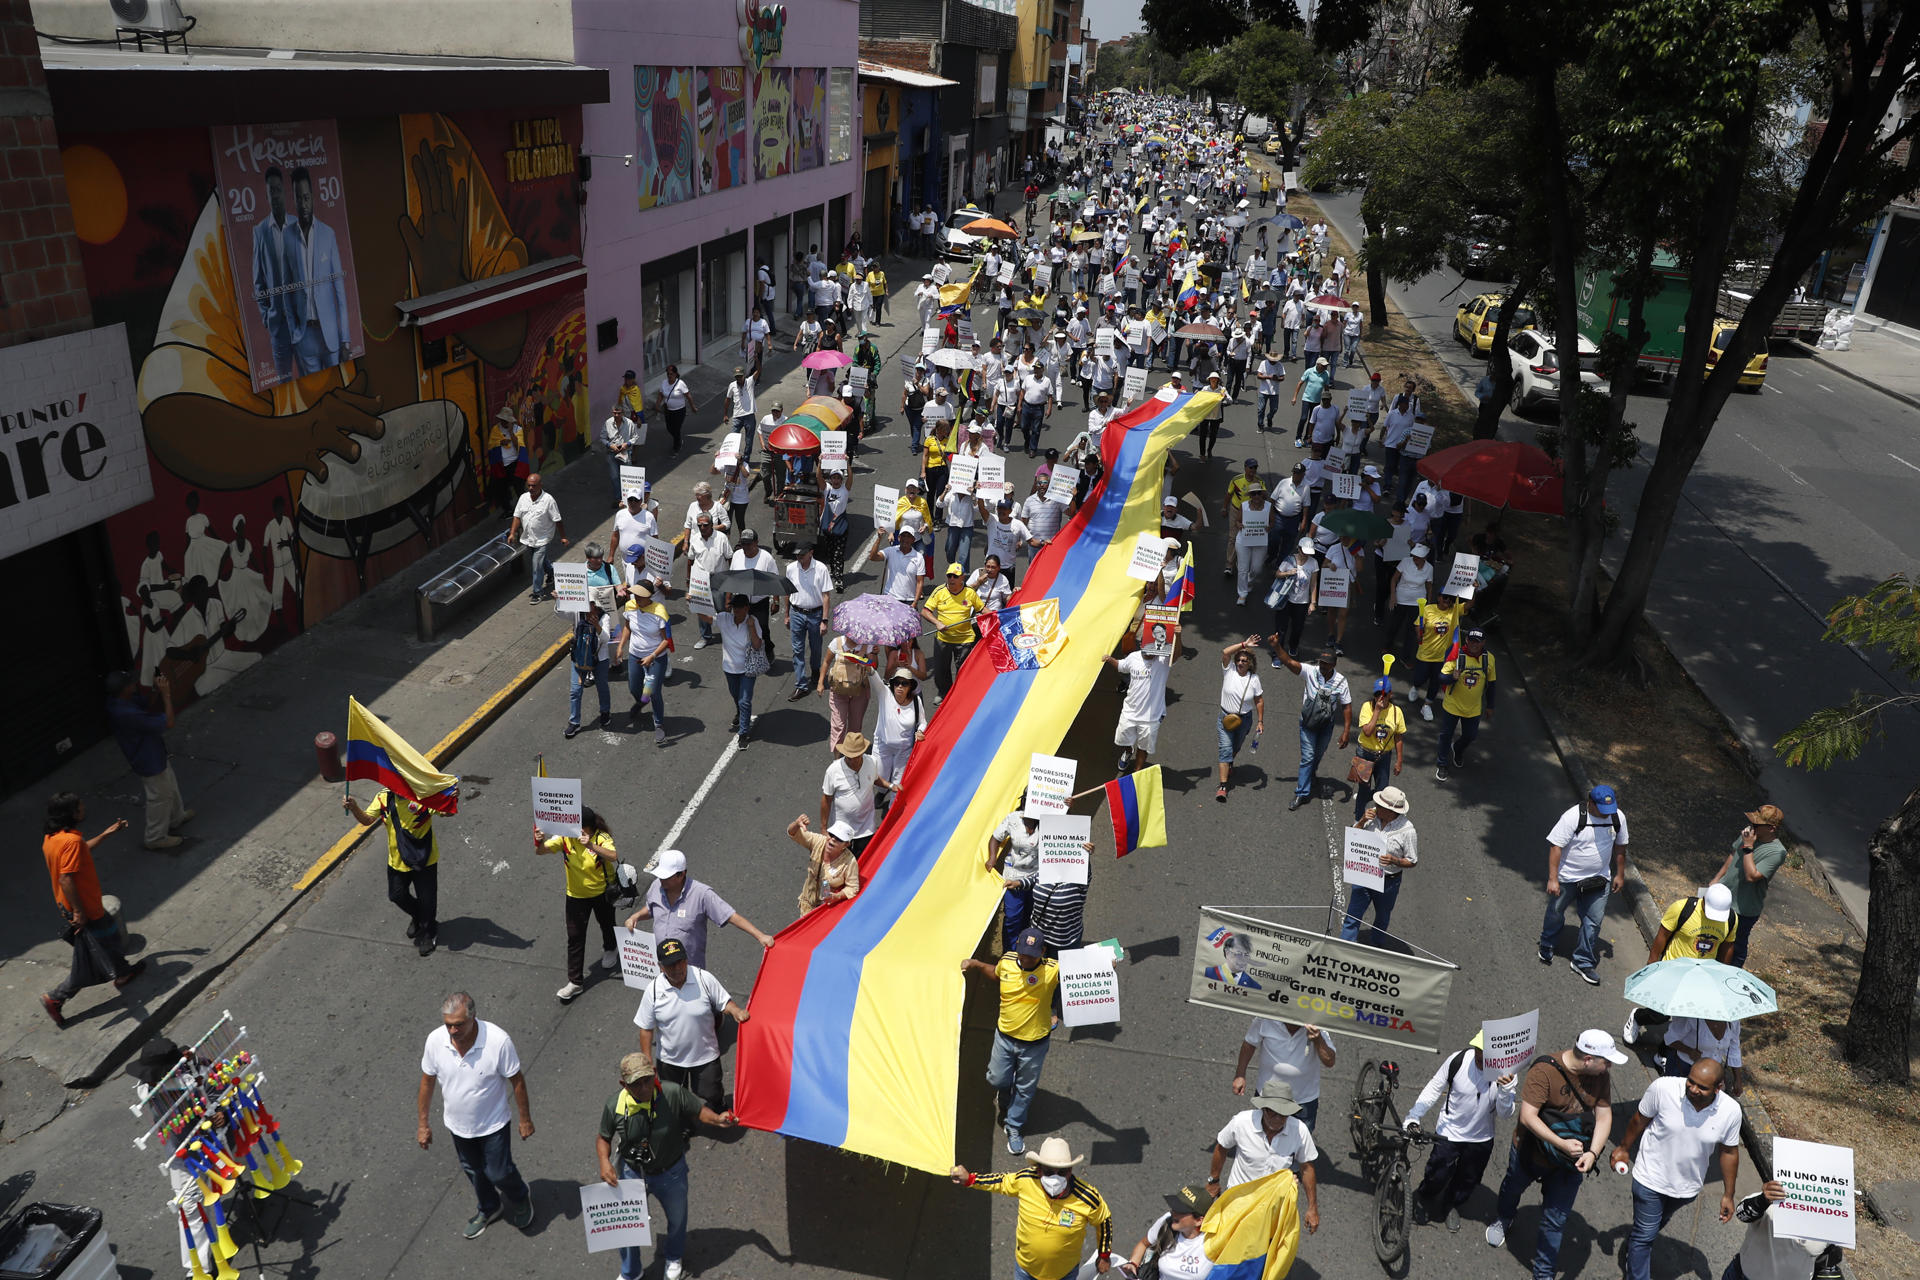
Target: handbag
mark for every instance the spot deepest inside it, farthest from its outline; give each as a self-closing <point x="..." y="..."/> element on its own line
<point x="1360" y="770"/>
<point x="758" y="664"/>
<point x="1564" y="1124"/>
<point x="1230" y="721"/>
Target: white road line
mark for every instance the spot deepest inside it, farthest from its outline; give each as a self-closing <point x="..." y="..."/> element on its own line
<point x="1796" y="373"/>
<point x="1791" y="474"/>
<point x="693" y="804"/>
<point x="1777" y="391"/>
<point x="1902" y="461"/>
<point x="1824" y="387"/>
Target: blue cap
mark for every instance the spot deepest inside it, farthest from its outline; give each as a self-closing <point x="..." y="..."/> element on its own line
<point x="1383" y="685"/>
<point x="1603" y="800"/>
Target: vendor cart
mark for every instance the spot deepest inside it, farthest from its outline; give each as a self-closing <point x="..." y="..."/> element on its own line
<point x="792" y="470"/>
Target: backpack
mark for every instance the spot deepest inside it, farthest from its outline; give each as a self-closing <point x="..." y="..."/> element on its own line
<point x="586" y="644"/>
<point x="1564" y="1124"/>
<point x="846" y="677"/>
<point x="1613" y="820"/>
<point x="414" y="850"/>
<point x="1317" y="712"/>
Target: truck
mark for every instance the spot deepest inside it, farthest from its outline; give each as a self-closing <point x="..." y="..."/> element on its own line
<point x="1602" y="311"/>
<point x="1802" y="320"/>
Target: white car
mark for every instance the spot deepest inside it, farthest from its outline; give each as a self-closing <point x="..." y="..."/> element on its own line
<point x="1536" y="369"/>
<point x="958" y="243"/>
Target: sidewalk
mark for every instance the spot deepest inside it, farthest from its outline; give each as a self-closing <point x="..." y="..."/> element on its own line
<point x="1885" y="359"/>
<point x="268" y="827"/>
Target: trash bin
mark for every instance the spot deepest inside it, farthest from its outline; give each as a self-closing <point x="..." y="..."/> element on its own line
<point x="64" y="1240"/>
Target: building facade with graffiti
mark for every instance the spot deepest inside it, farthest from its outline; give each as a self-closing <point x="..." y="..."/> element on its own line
<point x="731" y="142"/>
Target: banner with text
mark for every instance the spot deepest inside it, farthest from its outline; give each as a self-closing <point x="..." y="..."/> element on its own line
<point x="1063" y="848"/>
<point x="1049" y="783"/>
<point x="638" y="967"/>
<point x="616" y="1217"/>
<point x="1508" y="1043"/>
<point x="1089" y="987"/>
<point x="1819" y="1182"/>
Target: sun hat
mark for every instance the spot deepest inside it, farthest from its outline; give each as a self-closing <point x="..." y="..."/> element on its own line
<point x="1054" y="1153"/>
<point x="854" y="744"/>
<point x="1391" y="798"/>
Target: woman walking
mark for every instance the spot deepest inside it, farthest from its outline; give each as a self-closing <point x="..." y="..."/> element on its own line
<point x="743" y="656"/>
<point x="833" y="873"/>
<point x="672" y="400"/>
<point x="1381" y="736"/>
<point x="1243" y="704"/>
<point x="588" y="880"/>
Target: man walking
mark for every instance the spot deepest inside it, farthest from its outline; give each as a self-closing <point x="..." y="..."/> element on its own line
<point x="1324" y="697"/>
<point x="680" y="1010"/>
<point x="413" y="861"/>
<point x="951" y="609"/>
<point x="644" y="1132"/>
<point x="1681" y="1126"/>
<point x="1586" y="863"/>
<point x="1470" y="1097"/>
<point x="1145" y="703"/>
<point x="536" y="526"/>
<point x="1057" y="1210"/>
<point x="1387" y="815"/>
<point x="849" y="790"/>
<point x="737" y="406"/>
<point x="1468" y="680"/>
<point x="1573" y="1085"/>
<point x="477" y="1068"/>
<point x="1757" y="854"/>
<point x="807" y="610"/>
<point x="618" y="434"/>
<point x="1692" y="928"/>
<point x="1267" y="1139"/>
<point x="95" y="934"/>
<point x="138" y="728"/>
<point x="681" y="907"/>
<point x="1029" y="1011"/>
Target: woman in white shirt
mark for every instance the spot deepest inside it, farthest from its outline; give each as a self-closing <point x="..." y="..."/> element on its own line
<point x="1412" y="581"/>
<point x="1295" y="584"/>
<point x="1339" y="558"/>
<point x="1174" y="1240"/>
<point x="671" y="400"/>
<point x="1243" y="704"/>
<point x="740" y="643"/>
<point x="901" y="722"/>
<point x="992" y="586"/>
<point x="1252" y="535"/>
<point x="807" y="338"/>
<point x="1013" y="851"/>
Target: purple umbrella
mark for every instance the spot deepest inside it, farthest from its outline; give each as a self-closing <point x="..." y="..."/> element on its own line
<point x="876" y="619"/>
<point x="827" y="360"/>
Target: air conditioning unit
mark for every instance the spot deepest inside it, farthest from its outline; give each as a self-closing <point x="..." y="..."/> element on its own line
<point x="162" y="17"/>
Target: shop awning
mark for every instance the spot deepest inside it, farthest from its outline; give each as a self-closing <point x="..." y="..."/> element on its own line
<point x="450" y="310"/>
<point x="900" y="75"/>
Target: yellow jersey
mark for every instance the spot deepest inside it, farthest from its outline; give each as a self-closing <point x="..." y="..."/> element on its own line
<point x="586" y="870"/>
<point x="1467" y="695"/>
<point x="954" y="613"/>
<point x="1026" y="997"/>
<point x="413" y="819"/>
<point x="1051" y="1234"/>
<point x="1437" y="624"/>
<point x="1379" y="731"/>
<point x="1699" y="938"/>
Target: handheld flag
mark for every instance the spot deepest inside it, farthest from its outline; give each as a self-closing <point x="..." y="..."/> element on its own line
<point x="953" y="297"/>
<point x="1181" y="592"/>
<point x="378" y="754"/>
<point x="1252" y="1231"/>
<point x="1023" y="638"/>
<point x="1135" y="804"/>
<point x="1189" y="292"/>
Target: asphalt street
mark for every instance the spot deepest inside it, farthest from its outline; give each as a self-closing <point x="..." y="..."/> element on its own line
<point x="1804" y="493"/>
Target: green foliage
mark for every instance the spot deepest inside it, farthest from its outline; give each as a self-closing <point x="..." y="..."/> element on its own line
<point x="1279" y="71"/>
<point x="1886" y="618"/>
<point x="1189" y="26"/>
<point x="1138" y="63"/>
<point x="1593" y="418"/>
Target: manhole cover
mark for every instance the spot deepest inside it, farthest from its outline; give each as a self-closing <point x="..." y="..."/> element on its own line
<point x="454" y="679"/>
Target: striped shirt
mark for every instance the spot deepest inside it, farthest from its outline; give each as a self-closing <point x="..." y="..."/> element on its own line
<point x="1051" y="1233"/>
<point x="1056" y="912"/>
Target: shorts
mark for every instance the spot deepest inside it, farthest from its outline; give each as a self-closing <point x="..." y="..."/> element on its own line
<point x="1137" y="733"/>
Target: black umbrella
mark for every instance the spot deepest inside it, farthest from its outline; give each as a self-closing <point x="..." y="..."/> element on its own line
<point x="752" y="582"/>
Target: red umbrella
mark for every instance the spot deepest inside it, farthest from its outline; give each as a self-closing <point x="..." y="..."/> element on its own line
<point x="1500" y="473"/>
<point x="1329" y="300"/>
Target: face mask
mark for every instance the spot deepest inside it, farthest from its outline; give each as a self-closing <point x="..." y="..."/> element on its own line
<point x="1053" y="1183"/>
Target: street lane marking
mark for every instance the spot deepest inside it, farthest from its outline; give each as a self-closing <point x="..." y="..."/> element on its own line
<point x="1796" y="373"/>
<point x="1777" y="391"/>
<point x="699" y="796"/>
<point x="1824" y="387"/>
<point x="1902" y="461"/>
<point x="1763" y="453"/>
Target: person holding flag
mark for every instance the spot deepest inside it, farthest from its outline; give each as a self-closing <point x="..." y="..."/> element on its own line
<point x="414" y="792"/>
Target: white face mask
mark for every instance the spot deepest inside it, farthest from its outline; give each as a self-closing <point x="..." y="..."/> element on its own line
<point x="1053" y="1183"/>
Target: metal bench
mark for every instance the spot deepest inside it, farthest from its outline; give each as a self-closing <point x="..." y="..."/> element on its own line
<point x="440" y="598"/>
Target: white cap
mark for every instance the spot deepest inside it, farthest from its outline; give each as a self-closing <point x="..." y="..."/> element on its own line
<point x="1717" y="902"/>
<point x="671" y="862"/>
<point x="841" y="830"/>
<point x="1599" y="1044"/>
<point x="1306" y="544"/>
<point x="1420" y="549"/>
<point x="634" y="495"/>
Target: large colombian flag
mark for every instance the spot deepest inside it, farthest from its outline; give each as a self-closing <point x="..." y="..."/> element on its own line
<point x="378" y="754"/>
<point x="855" y="1035"/>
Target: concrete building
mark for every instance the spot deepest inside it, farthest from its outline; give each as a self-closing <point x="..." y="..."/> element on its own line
<point x="972" y="46"/>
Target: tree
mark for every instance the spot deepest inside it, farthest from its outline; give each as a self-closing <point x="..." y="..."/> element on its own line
<point x="1880" y="1024"/>
<point x="1190" y="26"/>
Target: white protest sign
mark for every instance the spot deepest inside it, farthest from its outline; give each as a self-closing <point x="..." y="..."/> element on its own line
<point x="1361" y="863"/>
<point x="1135" y="386"/>
<point x="1006" y="272"/>
<point x="942" y="272"/>
<point x="1063" y="849"/>
<point x="1089" y="987"/>
<point x="962" y="471"/>
<point x="632" y="478"/>
<point x="615" y="1217"/>
<point x="1345" y="486"/>
<point x="729" y="454"/>
<point x="660" y="559"/>
<point x="1418" y="441"/>
<point x="700" y="588"/>
<point x="1149" y="556"/>
<point x="857" y="376"/>
<point x="1109" y="285"/>
<point x="963" y="324"/>
<point x="569" y="588"/>
<point x="1103" y="340"/>
<point x="1049" y="784"/>
<point x="929" y="339"/>
<point x="1357" y="402"/>
<point x="1334" y="586"/>
<point x="1063" y="483"/>
<point x="906" y="365"/>
<point x="638" y="965"/>
<point x="1819" y="1182"/>
<point x="833" y="450"/>
<point x="1133" y="277"/>
<point x="1508" y="1043"/>
<point x="991" y="481"/>
<point x="884" y="502"/>
<point x="1463" y="577"/>
<point x="556" y="806"/>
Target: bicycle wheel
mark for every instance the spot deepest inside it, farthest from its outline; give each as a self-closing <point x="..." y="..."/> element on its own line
<point x="1393" y="1211"/>
<point x="1367" y="1105"/>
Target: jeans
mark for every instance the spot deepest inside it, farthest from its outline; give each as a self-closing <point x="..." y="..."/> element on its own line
<point x="1015" y="905"/>
<point x="669" y="1187"/>
<point x="417" y="893"/>
<point x="537" y="558"/>
<point x="1231" y="739"/>
<point x="1032" y="418"/>
<point x="1651" y="1210"/>
<point x="1558" y="1187"/>
<point x="1592" y="908"/>
<point x="100" y="948"/>
<point x="648" y="681"/>
<point x="960" y="545"/>
<point x="1467" y="728"/>
<point x="1292" y="341"/>
<point x="578" y="912"/>
<point x="744" y="424"/>
<point x="740" y="689"/>
<point x="613" y="473"/>
<point x="1382" y="900"/>
<point x="1352" y="349"/>
<point x="1454" y="1169"/>
<point x="916" y="428"/>
<point x="805" y="629"/>
<point x="1745" y="927"/>
<point x="1269" y="405"/>
<point x="488" y="1163"/>
<point x="796" y="299"/>
<point x="1313" y="745"/>
<point x="1015" y="1064"/>
<point x="600" y="686"/>
<point x="1425" y="677"/>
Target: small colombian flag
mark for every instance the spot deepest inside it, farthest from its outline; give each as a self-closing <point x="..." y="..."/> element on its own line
<point x="378" y="754"/>
<point x="1139" y="816"/>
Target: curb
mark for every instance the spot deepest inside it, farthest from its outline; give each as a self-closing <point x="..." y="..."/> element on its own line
<point x="1828" y="362"/>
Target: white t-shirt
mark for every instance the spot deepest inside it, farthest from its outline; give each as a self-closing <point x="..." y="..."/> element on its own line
<point x="1285" y="1055"/>
<point x="1587" y="851"/>
<point x="538" y="519"/>
<point x="1237" y="691"/>
<point x="1186" y="1257"/>
<point x="681" y="1018"/>
<point x="812" y="584"/>
<point x="993" y="594"/>
<point x="895" y="725"/>
<point x="762" y="560"/>
<point x="1698" y="1039"/>
<point x="1255" y="1155"/>
<point x="1146" y="687"/>
<point x="1005" y="540"/>
<point x="474" y="1087"/>
<point x="1681" y="1140"/>
<point x="1414" y="577"/>
<point x="1023" y="848"/>
<point x="903" y="571"/>
<point x="852" y="794"/>
<point x="630" y="529"/>
<point x="717" y="513"/>
<point x="736" y="641"/>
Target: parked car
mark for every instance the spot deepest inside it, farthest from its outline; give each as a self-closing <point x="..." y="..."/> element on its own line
<point x="1755" y="374"/>
<point x="958" y="243"/>
<point x="1536" y="369"/>
<point x="1474" y="322"/>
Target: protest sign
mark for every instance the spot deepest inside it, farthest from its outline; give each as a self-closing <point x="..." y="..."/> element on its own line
<point x="632" y="478"/>
<point x="907" y="359"/>
<point x="991" y="482"/>
<point x="1006" y="272"/>
<point x="660" y="559"/>
<point x="638" y="965"/>
<point x="930" y="339"/>
<point x="1133" y="277"/>
<point x="857" y="376"/>
<point x="1103" y="340"/>
<point x="1158" y="627"/>
<point x="700" y="589"/>
<point x="1418" y="441"/>
<point x="1344" y="485"/>
<point x="1361" y="863"/>
<point x="1149" y="555"/>
<point x="1334" y="586"/>
<point x="1507" y="1044"/>
<point x="962" y="471"/>
<point x="1089" y="987"/>
<point x="1063" y="849"/>
<point x="1135" y="386"/>
<point x="1049" y="783"/>
<point x="963" y="326"/>
<point x="615" y="1217"/>
<point x="1063" y="483"/>
<point x="833" y="450"/>
<point x="1819" y="1182"/>
<point x="1463" y="577"/>
<point x="729" y="454"/>
<point x="884" y="502"/>
<point x="1399" y="542"/>
<point x="569" y="588"/>
<point x="942" y="272"/>
<point x="556" y="806"/>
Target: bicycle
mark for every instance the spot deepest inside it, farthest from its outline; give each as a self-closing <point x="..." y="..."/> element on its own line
<point x="1383" y="1145"/>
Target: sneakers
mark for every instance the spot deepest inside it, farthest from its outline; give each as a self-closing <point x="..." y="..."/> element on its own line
<point x="606" y="718"/>
<point x="522" y="1215"/>
<point x="1546" y="955"/>
<point x="1496" y="1233"/>
<point x="702" y="643"/>
<point x="572" y="730"/>
<point x="165" y="842"/>
<point x="1587" y="976"/>
<point x="1630" y="1032"/>
<point x="568" y="992"/>
<point x="131" y="976"/>
<point x="610" y="960"/>
<point x="675" y="1270"/>
<point x="1426" y="711"/>
<point x="475" y="1225"/>
<point x="1016" y="1145"/>
<point x="796" y="695"/>
<point x="1459" y="756"/>
<point x="1440" y="774"/>
<point x="53" y="1008"/>
<point x="659" y="735"/>
<point x="1221" y="794"/>
<point x="1453" y="1220"/>
<point x="1240" y="600"/>
<point x="1295" y="803"/>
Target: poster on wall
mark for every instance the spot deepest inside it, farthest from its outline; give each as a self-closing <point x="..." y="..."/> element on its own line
<point x="839" y="114"/>
<point x="772" y="123"/>
<point x="663" y="156"/>
<point x="720" y="106"/>
<point x="283" y="204"/>
<point x="809" y="123"/>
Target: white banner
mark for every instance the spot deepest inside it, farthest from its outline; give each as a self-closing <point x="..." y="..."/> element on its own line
<point x="1089" y="987"/>
<point x="700" y="589"/>
<point x="857" y="376"/>
<point x="1006" y="272"/>
<point x="570" y="588"/>
<point x="833" y="450"/>
<point x="1063" y="848"/>
<point x="1508" y="1043"/>
<point x="1103" y="340"/>
<point x="1149" y="556"/>
<point x="991" y="481"/>
<point x="729" y="454"/>
<point x="1361" y="863"/>
<point x="1463" y="577"/>
<point x="930" y="339"/>
<point x="1418" y="441"/>
<point x="1819" y="1182"/>
<point x="1134" y="386"/>
<point x="1049" y="784"/>
<point x="884" y="502"/>
<point x="1344" y="485"/>
<point x="616" y="1217"/>
<point x="1334" y="588"/>
<point x="632" y="478"/>
<point x="556" y="807"/>
<point x="638" y="965"/>
<point x="1063" y="483"/>
<point x="942" y="271"/>
<point x="962" y="471"/>
<point x="660" y="559"/>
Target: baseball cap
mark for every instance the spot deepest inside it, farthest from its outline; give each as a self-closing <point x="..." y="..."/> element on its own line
<point x="1767" y="815"/>
<point x="841" y="830"/>
<point x="1190" y="1199"/>
<point x="1604" y="801"/>
<point x="634" y="495"/>
<point x="1382" y="685"/>
<point x="1373" y="377"/>
<point x="671" y="950"/>
<point x="1599" y="1044"/>
<point x="1476" y="634"/>
<point x="636" y="1067"/>
<point x="668" y="862"/>
<point x="1306" y="544"/>
<point x="1420" y="549"/>
<point x="1717" y="902"/>
<point x="913" y="484"/>
<point x="1321" y="363"/>
<point x="748" y="535"/>
<point x="1030" y="943"/>
<point x="1253" y="463"/>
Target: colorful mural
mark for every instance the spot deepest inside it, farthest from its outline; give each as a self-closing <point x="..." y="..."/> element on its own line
<point x="809" y="118"/>
<point x="665" y="155"/>
<point x="720" y="104"/>
<point x="275" y="506"/>
<point x="772" y="122"/>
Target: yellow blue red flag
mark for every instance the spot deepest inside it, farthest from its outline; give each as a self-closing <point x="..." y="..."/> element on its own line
<point x="1023" y="638"/>
<point x="1138" y="809"/>
<point x="378" y="754"/>
<point x="1253" y="1230"/>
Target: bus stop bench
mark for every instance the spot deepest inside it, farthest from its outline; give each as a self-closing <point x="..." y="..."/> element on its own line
<point x="448" y="593"/>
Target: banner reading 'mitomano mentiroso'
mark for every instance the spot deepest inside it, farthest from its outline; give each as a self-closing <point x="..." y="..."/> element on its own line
<point x="1268" y="970"/>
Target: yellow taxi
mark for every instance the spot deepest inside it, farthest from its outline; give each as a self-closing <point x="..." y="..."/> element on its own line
<point x="1474" y="322"/>
<point x="1755" y="374"/>
<point x="1273" y="147"/>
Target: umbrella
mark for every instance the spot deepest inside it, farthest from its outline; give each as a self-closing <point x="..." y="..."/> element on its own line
<point x="1328" y="300"/>
<point x="1700" y="989"/>
<point x="1368" y="526"/>
<point x="1199" y="331"/>
<point x="992" y="227"/>
<point x="876" y="619"/>
<point x="1072" y="193"/>
<point x="1500" y="473"/>
<point x="826" y="360"/>
<point x="951" y="358"/>
<point x="751" y="582"/>
<point x="1286" y="220"/>
<point x="1081" y="237"/>
<point x="1237" y="220"/>
<point x="1156" y="145"/>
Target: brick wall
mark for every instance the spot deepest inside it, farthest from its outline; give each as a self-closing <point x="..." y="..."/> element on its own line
<point x="43" y="291"/>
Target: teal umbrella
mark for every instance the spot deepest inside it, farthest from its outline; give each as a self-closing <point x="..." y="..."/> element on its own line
<point x="1700" y="989"/>
<point x="1368" y="526"/>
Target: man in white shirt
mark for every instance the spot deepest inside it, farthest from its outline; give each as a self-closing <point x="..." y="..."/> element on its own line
<point x="926" y="296"/>
<point x="751" y="555"/>
<point x="849" y="789"/>
<point x="1470" y="1097"/>
<point x="1272" y="375"/>
<point x="1043" y="518"/>
<point x="737" y="406"/>
<point x="633" y="524"/>
<point x="1036" y="401"/>
<point x="1006" y="534"/>
<point x="536" y="525"/>
<point x="618" y="434"/>
<point x="906" y="570"/>
<point x="477" y="1068"/>
<point x="1144" y="705"/>
<point x="707" y="547"/>
<point x="679" y="1009"/>
<point x="807" y="610"/>
<point x="1266" y="1140"/>
<point x="1290" y="1053"/>
<point x="1324" y="700"/>
<point x="1681" y="1126"/>
<point x="1586" y="864"/>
